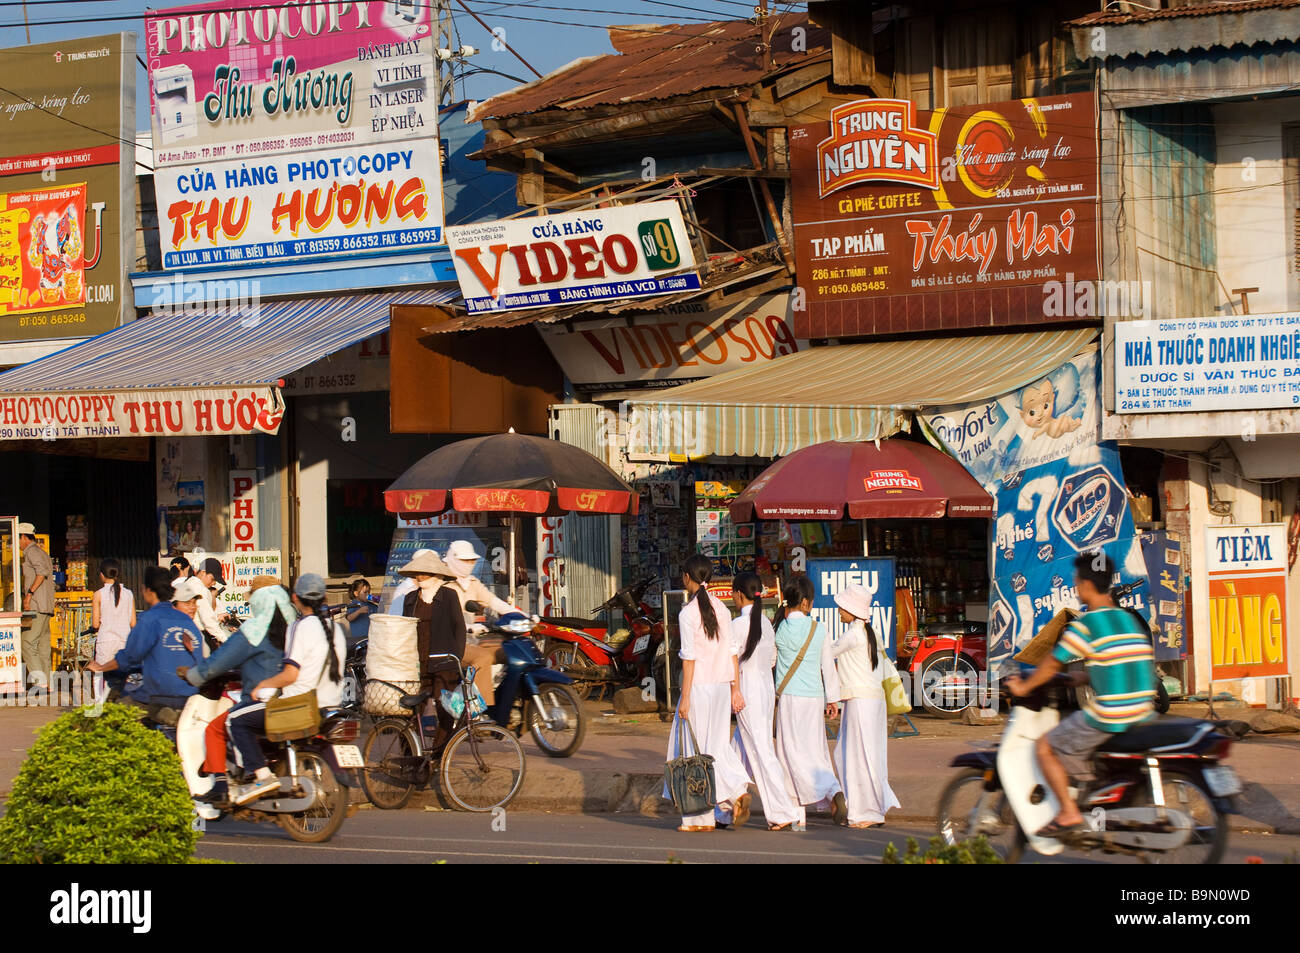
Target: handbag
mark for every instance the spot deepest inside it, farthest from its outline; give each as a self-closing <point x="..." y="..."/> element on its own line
<point x="789" y="672"/>
<point x="288" y="719"/>
<point x="896" y="702"/>
<point x="689" y="778"/>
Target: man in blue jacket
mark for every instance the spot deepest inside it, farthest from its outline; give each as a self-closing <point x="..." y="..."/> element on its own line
<point x="163" y="639"/>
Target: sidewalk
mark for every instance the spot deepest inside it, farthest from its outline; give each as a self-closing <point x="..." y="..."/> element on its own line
<point x="620" y="768"/>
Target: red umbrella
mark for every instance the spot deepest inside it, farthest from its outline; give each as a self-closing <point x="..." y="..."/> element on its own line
<point x="900" y="480"/>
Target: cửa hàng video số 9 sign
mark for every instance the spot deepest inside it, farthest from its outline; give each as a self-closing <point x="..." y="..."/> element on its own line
<point x="605" y="254"/>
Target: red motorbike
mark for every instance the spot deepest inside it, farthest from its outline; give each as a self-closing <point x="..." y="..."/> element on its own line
<point x="947" y="659"/>
<point x="597" y="659"/>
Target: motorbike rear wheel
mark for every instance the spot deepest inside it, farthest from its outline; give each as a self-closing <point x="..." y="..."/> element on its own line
<point x="563" y="741"/>
<point x="322" y="820"/>
<point x="565" y="657"/>
<point x="388" y="755"/>
<point x="1209" y="838"/>
<point x="958" y="821"/>
<point x="949" y="685"/>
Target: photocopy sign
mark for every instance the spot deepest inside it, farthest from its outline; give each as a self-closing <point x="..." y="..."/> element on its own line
<point x="1241" y="362"/>
<point x="607" y="254"/>
<point x="293" y="130"/>
<point x="1246" y="570"/>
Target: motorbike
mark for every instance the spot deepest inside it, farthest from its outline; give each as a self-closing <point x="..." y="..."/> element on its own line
<point x="528" y="694"/>
<point x="945" y="659"/>
<point x="315" y="774"/>
<point x="1161" y="792"/>
<point x="586" y="651"/>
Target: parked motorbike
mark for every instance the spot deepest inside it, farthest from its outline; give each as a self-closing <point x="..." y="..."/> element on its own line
<point x="315" y="774"/>
<point x="945" y="659"/>
<point x="528" y="694"/>
<point x="585" y="650"/>
<point x="1161" y="792"/>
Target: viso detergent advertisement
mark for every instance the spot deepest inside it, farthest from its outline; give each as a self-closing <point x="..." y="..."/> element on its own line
<point x="1057" y="490"/>
<point x="294" y="130"/>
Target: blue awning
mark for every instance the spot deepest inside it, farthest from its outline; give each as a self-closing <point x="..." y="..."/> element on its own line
<point x="181" y="371"/>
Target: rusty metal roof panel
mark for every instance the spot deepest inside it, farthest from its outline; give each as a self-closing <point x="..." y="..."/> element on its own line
<point x="1119" y="17"/>
<point x="660" y="61"/>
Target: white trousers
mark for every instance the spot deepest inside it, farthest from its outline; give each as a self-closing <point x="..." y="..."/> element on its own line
<point x="710" y="719"/>
<point x="191" y="725"/>
<point x="802" y="749"/>
<point x="861" y="753"/>
<point x="757" y="749"/>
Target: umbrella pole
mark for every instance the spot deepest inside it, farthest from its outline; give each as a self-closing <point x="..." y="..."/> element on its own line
<point x="510" y="561"/>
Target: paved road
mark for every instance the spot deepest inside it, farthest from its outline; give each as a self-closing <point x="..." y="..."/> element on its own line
<point x="422" y="837"/>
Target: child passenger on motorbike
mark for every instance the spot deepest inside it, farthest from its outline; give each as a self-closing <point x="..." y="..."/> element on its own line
<point x="313" y="661"/>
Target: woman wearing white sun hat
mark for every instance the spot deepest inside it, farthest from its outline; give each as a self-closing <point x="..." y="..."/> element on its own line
<point x="861" y="749"/>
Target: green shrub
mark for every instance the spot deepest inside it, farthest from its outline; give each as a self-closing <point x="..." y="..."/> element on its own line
<point x="99" y="789"/>
<point x="973" y="851"/>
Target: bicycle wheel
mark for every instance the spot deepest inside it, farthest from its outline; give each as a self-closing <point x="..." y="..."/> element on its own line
<point x="390" y="755"/>
<point x="482" y="767"/>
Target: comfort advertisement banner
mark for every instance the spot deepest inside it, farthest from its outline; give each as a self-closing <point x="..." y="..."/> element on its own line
<point x="1245" y="585"/>
<point x="294" y="130"/>
<point x="1236" y="362"/>
<point x="681" y="342"/>
<point x="67" y="186"/>
<point x="606" y="254"/>
<point x="1057" y="492"/>
<point x="974" y="208"/>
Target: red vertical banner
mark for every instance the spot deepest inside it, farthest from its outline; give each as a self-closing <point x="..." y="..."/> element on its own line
<point x="550" y="538"/>
<point x="243" y="510"/>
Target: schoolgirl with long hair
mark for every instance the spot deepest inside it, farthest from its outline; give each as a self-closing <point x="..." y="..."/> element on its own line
<point x="112" y="613"/>
<point x="710" y="693"/>
<point x="756" y="645"/>
<point x="807" y="689"/>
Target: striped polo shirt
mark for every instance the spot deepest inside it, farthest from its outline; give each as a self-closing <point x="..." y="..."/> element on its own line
<point x="1121" y="666"/>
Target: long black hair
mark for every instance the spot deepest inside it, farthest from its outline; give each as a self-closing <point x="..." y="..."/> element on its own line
<point x="751" y="587"/>
<point x="321" y="611"/>
<point x="109" y="568"/>
<point x="872" y="650"/>
<point x="796" y="589"/>
<point x="700" y="570"/>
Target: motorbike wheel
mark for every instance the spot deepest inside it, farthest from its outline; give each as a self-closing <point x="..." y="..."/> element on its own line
<point x="388" y="746"/>
<point x="958" y="803"/>
<point x="483" y="770"/>
<point x="1210" y="836"/>
<point x="557" y="742"/>
<point x="948" y="685"/>
<point x="322" y="820"/>
<point x="564" y="657"/>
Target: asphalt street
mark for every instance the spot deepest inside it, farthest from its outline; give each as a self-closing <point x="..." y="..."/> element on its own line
<point x="423" y="837"/>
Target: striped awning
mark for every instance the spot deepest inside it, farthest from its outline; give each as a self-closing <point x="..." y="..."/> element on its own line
<point x="848" y="392"/>
<point x="190" y="372"/>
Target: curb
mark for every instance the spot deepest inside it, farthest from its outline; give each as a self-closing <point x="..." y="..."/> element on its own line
<point x="558" y="791"/>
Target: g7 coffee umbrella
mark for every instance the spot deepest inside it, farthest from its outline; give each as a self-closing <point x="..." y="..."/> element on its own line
<point x="509" y="473"/>
<point x="901" y="479"/>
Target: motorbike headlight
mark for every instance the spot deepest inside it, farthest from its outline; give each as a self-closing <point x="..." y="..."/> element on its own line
<point x="519" y="627"/>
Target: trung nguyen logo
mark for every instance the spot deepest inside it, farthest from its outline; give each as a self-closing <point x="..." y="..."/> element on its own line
<point x="876" y="140"/>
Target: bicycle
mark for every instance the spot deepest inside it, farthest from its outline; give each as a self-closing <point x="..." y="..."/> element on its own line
<point x="480" y="765"/>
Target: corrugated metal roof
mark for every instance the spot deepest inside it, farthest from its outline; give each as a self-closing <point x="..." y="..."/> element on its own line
<point x="1139" y="15"/>
<point x="228" y="347"/>
<point x="657" y="62"/>
<point x="845" y="392"/>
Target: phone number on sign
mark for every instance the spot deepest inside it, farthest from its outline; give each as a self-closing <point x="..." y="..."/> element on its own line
<point x="424" y="236"/>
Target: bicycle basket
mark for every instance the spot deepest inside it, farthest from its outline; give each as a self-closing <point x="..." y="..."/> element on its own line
<point x="385" y="698"/>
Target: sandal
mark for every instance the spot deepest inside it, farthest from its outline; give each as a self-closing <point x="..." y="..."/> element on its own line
<point x="740" y="811"/>
<point x="694" y="829"/>
<point x="1056" y="830"/>
<point x="780" y="827"/>
<point x="866" y="825"/>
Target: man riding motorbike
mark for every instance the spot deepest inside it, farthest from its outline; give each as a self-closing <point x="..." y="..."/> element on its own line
<point x="1121" y="667"/>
